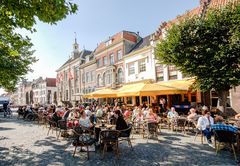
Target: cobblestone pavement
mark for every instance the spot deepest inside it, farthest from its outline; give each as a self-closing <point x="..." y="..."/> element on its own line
<point x="27" y="143"/>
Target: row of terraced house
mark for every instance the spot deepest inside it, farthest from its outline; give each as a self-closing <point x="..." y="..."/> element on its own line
<point x="126" y="57"/>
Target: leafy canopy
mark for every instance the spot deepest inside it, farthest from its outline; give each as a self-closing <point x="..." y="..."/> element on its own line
<point x="206" y="48"/>
<point x="16" y="54"/>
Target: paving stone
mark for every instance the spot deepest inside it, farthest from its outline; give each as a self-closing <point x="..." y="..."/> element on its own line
<point x="26" y="143"/>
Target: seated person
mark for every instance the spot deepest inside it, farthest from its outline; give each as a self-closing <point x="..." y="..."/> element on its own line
<point x="204" y="124"/>
<point x="84" y="120"/>
<point x="221" y="126"/>
<point x="151" y="117"/>
<point x="172" y="114"/>
<point x="66" y="114"/>
<point x="56" y="117"/>
<point x="215" y="112"/>
<point x="88" y="112"/>
<point x="192" y="116"/>
<point x="99" y="112"/>
<point x="20" y="111"/>
<point x="127" y="113"/>
<point x="120" y="123"/>
<point x="27" y="111"/>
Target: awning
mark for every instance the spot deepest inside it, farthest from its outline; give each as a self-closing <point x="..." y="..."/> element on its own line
<point x="102" y="93"/>
<point x="148" y="89"/>
<point x="178" y="84"/>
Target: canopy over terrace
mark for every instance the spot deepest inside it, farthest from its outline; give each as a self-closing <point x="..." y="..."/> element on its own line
<point x="148" y="89"/>
<point x="102" y="93"/>
<point x="144" y="89"/>
<point x="179" y="84"/>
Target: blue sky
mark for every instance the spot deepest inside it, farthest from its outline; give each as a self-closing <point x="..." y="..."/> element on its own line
<point x="94" y="22"/>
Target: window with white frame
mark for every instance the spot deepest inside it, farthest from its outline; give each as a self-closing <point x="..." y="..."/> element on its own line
<point x="119" y="55"/>
<point x="83" y="78"/>
<point x="104" y="79"/>
<point x="105" y="60"/>
<point x="108" y="77"/>
<point x="87" y="77"/>
<point x="98" y="62"/>
<point x="120" y="75"/>
<point x="98" y="80"/>
<point x="92" y="76"/>
<point x="172" y="72"/>
<point x="131" y="69"/>
<point x="159" y="72"/>
<point x="214" y="99"/>
<point x="142" y="65"/>
<point x="111" y="59"/>
<point x="76" y="73"/>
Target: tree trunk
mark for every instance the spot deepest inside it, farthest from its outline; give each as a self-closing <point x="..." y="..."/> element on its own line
<point x="222" y="97"/>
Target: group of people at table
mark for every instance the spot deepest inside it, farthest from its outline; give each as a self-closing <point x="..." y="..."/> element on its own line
<point x="88" y="117"/>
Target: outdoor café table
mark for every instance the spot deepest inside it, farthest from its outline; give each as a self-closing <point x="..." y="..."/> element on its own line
<point x="106" y="126"/>
<point x="99" y="128"/>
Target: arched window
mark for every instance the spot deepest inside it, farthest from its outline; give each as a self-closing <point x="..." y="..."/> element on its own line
<point x="104" y="79"/>
<point x="98" y="80"/>
<point x="120" y="75"/>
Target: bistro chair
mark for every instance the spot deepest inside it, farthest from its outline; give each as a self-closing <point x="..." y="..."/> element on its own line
<point x="226" y="137"/>
<point x="125" y="135"/>
<point x="151" y="128"/>
<point x="62" y="126"/>
<point x="198" y="132"/>
<point x="109" y="138"/>
<point x="82" y="139"/>
<point x="52" y="125"/>
<point x="180" y="124"/>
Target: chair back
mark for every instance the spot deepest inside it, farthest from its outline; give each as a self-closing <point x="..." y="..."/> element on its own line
<point x="109" y="135"/>
<point x="152" y="127"/>
<point x="181" y="122"/>
<point x="225" y="136"/>
<point x="62" y="124"/>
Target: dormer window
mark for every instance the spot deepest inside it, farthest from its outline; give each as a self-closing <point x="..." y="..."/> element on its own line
<point x="109" y="42"/>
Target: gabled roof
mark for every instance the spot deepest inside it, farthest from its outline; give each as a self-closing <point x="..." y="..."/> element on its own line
<point x="144" y="42"/>
<point x="81" y="55"/>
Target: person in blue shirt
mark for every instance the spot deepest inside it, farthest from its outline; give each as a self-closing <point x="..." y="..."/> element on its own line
<point x="221" y="126"/>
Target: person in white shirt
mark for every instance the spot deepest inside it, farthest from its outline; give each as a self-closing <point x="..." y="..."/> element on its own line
<point x="99" y="112"/>
<point x="84" y="120"/>
<point x="204" y="124"/>
<point x="87" y="111"/>
<point x="172" y="114"/>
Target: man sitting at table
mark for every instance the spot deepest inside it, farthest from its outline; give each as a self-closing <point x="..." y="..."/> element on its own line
<point x="221" y="126"/>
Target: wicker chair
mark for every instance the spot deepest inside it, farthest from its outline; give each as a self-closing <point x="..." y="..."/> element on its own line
<point x="125" y="135"/>
<point x="151" y="128"/>
<point x="198" y="132"/>
<point x="62" y="126"/>
<point x="52" y="125"/>
<point x="83" y="138"/>
<point x="226" y="137"/>
<point x="181" y="123"/>
<point x="109" y="137"/>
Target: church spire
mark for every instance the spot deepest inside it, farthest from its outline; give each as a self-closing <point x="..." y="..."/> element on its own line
<point x="75" y="46"/>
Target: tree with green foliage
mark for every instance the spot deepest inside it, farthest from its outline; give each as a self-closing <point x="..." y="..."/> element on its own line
<point x="16" y="54"/>
<point x="207" y="49"/>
